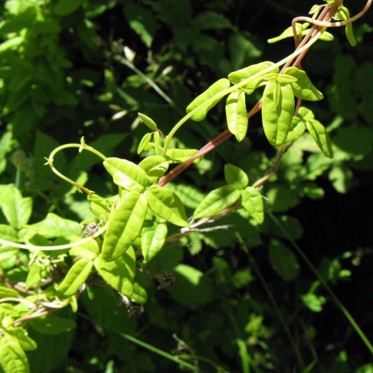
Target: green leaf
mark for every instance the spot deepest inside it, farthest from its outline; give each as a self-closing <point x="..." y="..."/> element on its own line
<point x="120" y="272"/>
<point x="143" y="145"/>
<point x="88" y="250"/>
<point x="180" y="155"/>
<point x="216" y="201"/>
<point x="350" y="35"/>
<point x="252" y="202"/>
<point x="238" y="76"/>
<point x="277" y="111"/>
<point x="34" y="275"/>
<point x="296" y="130"/>
<point x="65" y="7"/>
<point x="12" y="357"/>
<point x="235" y="176"/>
<point x="305" y="114"/>
<point x="20" y="334"/>
<point x="321" y="136"/>
<point x="303" y="87"/>
<point x="192" y="287"/>
<point x="354" y="141"/>
<point x="281" y="198"/>
<point x="210" y="21"/>
<point x="313" y="302"/>
<point x="207" y="100"/>
<point x="236" y="115"/>
<point x="52" y="324"/>
<point x="138" y="294"/>
<point x="16" y="209"/>
<point x="6" y="146"/>
<point x="7" y="232"/>
<point x="155" y="166"/>
<point x="9" y="256"/>
<point x="283" y="261"/>
<point x="341" y="178"/>
<point x="148" y="121"/>
<point x="75" y="278"/>
<point x="152" y="240"/>
<point x="127" y="174"/>
<point x="124" y="225"/>
<point x="167" y="205"/>
<point x="141" y="20"/>
<point x="343" y="14"/>
<point x="284" y="78"/>
<point x="7" y="292"/>
<point x="55" y="226"/>
<point x="326" y="36"/>
<point x="288" y="32"/>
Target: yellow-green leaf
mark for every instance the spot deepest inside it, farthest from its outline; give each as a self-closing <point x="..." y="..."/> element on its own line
<point x="321" y="136"/>
<point x="124" y="225"/>
<point x="12" y="357"/>
<point x="236" y="114"/>
<point x="277" y="111"/>
<point x="120" y="272"/>
<point x="303" y="87"/>
<point x="216" y="201"/>
<point x="252" y="202"/>
<point x="127" y="174"/>
<point x="167" y="205"/>
<point x="152" y="240"/>
<point x="207" y="100"/>
<point x="75" y="278"/>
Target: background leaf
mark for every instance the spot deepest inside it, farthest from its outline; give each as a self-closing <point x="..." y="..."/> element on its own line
<point x="283" y="261"/>
<point x="16" y="209"/>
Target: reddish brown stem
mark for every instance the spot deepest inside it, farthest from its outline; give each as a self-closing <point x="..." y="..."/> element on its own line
<point x="211" y="145"/>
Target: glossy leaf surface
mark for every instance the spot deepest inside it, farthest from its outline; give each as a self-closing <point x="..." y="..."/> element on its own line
<point x="216" y="201"/>
<point x="252" y="202"/>
<point x="207" y="100"/>
<point x="236" y="114"/>
<point x="143" y="145"/>
<point x="12" y="357"/>
<point x="235" y="176"/>
<point x="148" y="121"/>
<point x="321" y="136"/>
<point x="238" y="76"/>
<point x="75" y="278"/>
<point x="277" y="111"/>
<point x="126" y="174"/>
<point x="120" y="272"/>
<point x="139" y="294"/>
<point x="167" y="205"/>
<point x="55" y="226"/>
<point x="296" y="130"/>
<point x="155" y="166"/>
<point x="303" y="87"/>
<point x="25" y="341"/>
<point x="124" y="226"/>
<point x="152" y="240"/>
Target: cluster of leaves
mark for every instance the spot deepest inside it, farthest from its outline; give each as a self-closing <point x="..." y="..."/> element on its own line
<point x="137" y="238"/>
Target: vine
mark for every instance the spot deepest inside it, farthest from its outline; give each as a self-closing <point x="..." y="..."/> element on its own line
<point x="132" y="227"/>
